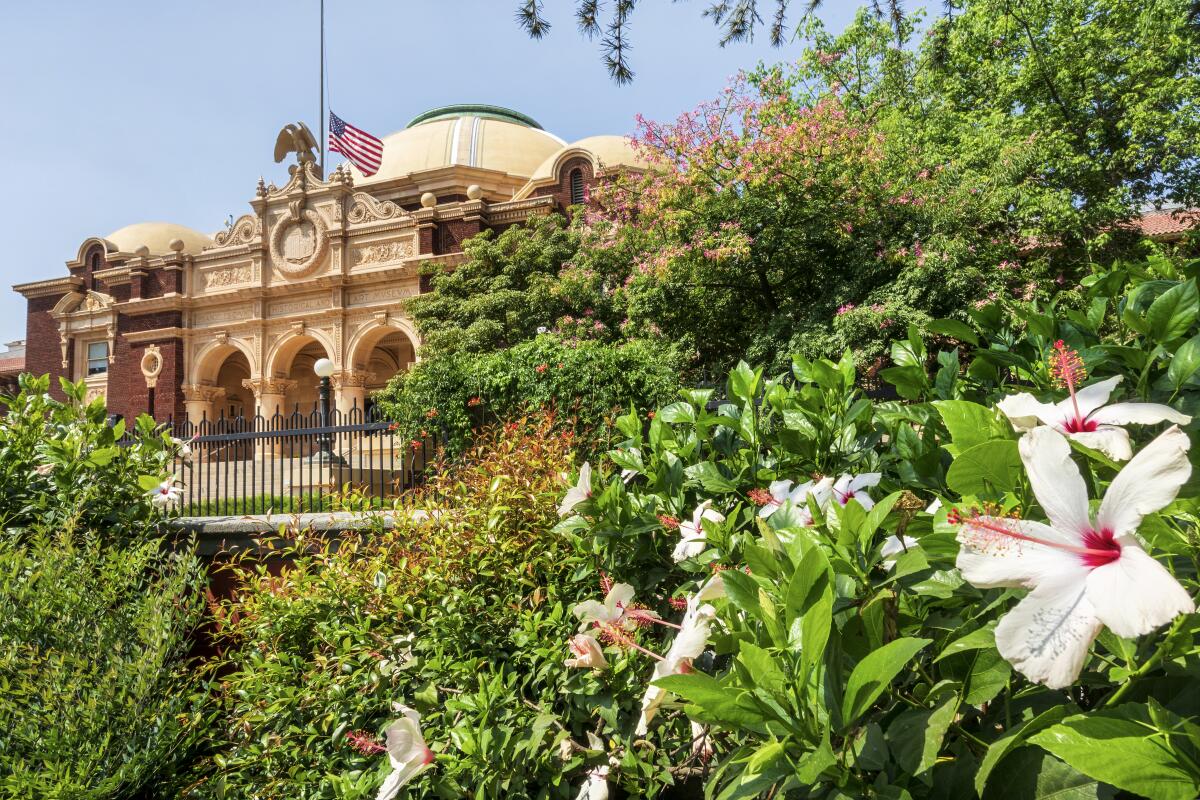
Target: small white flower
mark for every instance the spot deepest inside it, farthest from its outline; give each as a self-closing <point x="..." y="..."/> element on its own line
<point x="596" y="785"/>
<point x="165" y="493"/>
<point x="691" y="534"/>
<point x="183" y="449"/>
<point x="854" y="487"/>
<point x="406" y="750"/>
<point x="894" y="546"/>
<point x="611" y="612"/>
<point x="586" y="652"/>
<point x="689" y="643"/>
<point x="1083" y="574"/>
<point x="542" y="329"/>
<point x="782" y="492"/>
<point x="581" y="491"/>
<point x="1084" y="417"/>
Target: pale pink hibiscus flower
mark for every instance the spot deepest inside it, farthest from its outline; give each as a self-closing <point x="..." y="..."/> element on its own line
<point x="783" y="492"/>
<point x="1085" y="415"/>
<point x="406" y="750"/>
<point x="691" y="534"/>
<point x="1084" y="573"/>
<point x="854" y="487"/>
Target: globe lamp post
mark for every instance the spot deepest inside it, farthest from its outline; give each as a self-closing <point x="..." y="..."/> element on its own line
<point x="324" y="453"/>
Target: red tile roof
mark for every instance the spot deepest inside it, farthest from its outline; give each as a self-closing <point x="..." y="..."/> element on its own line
<point x="12" y="365"/>
<point x="1168" y="223"/>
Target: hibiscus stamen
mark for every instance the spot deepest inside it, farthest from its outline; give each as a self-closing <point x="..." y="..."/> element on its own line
<point x="993" y="533"/>
<point x="1067" y="371"/>
<point x="614" y="635"/>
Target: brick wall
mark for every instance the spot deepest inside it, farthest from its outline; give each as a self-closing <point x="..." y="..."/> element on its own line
<point x="42" y="352"/>
<point x="561" y="191"/>
<point x="127" y="392"/>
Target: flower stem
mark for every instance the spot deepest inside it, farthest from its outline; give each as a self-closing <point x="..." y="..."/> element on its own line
<point x="1146" y="666"/>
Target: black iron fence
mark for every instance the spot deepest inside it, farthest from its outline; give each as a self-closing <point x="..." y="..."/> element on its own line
<point x="295" y="462"/>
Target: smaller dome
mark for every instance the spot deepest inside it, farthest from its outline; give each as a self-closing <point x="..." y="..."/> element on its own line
<point x="605" y="151"/>
<point x="157" y="237"/>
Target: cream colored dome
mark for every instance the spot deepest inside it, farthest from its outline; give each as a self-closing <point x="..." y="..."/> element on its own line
<point x="157" y="237"/>
<point x="486" y="137"/>
<point x="605" y="151"/>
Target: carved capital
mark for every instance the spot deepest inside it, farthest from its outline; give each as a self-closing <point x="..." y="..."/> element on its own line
<point x="268" y="386"/>
<point x="194" y="393"/>
<point x="351" y="379"/>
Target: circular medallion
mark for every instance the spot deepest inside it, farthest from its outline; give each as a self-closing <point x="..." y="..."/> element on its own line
<point x="299" y="245"/>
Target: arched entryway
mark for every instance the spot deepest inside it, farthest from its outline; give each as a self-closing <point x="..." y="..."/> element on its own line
<point x="218" y="383"/>
<point x="378" y="352"/>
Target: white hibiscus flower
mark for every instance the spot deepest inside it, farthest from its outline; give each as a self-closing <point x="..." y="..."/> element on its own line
<point x="1083" y="573"/>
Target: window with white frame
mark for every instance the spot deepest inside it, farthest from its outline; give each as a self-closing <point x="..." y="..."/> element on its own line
<point x="97" y="358"/>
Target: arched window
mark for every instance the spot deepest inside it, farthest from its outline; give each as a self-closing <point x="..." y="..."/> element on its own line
<point x="577" y="196"/>
<point x="94" y="261"/>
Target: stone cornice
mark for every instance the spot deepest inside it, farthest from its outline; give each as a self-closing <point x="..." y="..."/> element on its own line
<point x="155" y="335"/>
<point x="50" y="287"/>
<point x="517" y="210"/>
<point x="168" y="302"/>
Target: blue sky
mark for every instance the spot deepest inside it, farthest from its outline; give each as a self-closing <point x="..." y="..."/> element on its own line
<point x="130" y="111"/>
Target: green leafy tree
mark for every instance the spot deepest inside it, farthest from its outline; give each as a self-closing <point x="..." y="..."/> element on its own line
<point x="510" y="286"/>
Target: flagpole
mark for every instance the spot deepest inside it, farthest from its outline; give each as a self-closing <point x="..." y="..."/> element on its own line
<point x="323" y="120"/>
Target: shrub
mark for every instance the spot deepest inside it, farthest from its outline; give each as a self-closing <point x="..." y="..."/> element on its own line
<point x="868" y="642"/>
<point x="585" y="381"/>
<point x="458" y="612"/>
<point x="93" y="646"/>
<point x="62" y="464"/>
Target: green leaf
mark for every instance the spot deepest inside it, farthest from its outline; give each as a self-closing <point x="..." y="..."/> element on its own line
<point x="743" y="592"/>
<point x="988" y="676"/>
<point x="874" y="673"/>
<point x="915" y="737"/>
<point x="1114" y="749"/>
<point x="983" y="637"/>
<point x="149" y="482"/>
<point x="677" y="412"/>
<point x="971" y="424"/>
<point x="810" y="599"/>
<point x="986" y="469"/>
<point x="706" y="693"/>
<point x="708" y="475"/>
<point x="1033" y="774"/>
<point x="1173" y="313"/>
<point x="955" y="329"/>
<point x="1003" y="746"/>
<point x="1185" y="362"/>
<point x="743" y="382"/>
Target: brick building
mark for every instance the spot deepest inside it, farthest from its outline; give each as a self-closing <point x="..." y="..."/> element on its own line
<point x="163" y="319"/>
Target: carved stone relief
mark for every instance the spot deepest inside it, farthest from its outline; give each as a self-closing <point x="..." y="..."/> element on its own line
<point x="382" y="253"/>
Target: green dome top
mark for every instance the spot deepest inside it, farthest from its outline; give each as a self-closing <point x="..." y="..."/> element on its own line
<point x="475" y="110"/>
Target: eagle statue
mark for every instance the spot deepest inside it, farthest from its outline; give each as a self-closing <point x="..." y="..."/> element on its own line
<point x="296" y="138"/>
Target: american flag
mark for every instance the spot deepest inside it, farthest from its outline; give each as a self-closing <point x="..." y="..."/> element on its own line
<point x="363" y="149"/>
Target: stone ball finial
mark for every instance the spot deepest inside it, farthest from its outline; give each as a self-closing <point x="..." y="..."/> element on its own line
<point x="474" y="192"/>
<point x="176" y="245"/>
<point x="143" y="251"/>
<point x="429" y="200"/>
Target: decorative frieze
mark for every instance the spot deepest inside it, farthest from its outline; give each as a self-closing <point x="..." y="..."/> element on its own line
<point x="229" y="276"/>
<point x="383" y="252"/>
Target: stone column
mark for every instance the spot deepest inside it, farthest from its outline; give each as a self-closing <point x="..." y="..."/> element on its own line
<point x="351" y="389"/>
<point x="200" y="402"/>
<point x="270" y="395"/>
